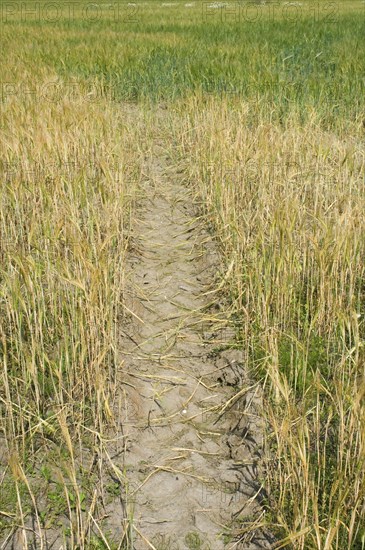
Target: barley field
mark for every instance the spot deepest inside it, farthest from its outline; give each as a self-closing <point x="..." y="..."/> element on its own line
<point x="260" y="106"/>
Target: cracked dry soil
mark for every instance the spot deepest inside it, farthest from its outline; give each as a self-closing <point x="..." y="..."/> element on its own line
<point x="193" y="433"/>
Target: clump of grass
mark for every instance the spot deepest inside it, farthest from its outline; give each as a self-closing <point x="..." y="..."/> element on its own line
<point x="70" y="171"/>
<point x="287" y="202"/>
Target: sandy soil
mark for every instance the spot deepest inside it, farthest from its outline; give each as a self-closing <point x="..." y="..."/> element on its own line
<point x="193" y="445"/>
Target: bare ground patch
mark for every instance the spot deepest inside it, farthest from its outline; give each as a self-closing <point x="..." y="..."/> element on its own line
<point x="193" y="438"/>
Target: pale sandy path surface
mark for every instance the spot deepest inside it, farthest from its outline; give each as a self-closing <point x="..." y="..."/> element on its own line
<point x="190" y="470"/>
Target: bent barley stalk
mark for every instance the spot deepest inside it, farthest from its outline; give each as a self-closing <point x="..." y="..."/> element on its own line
<point x="69" y="177"/>
<point x="288" y="201"/>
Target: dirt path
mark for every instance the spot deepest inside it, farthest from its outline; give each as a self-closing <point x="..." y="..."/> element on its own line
<point x="190" y="456"/>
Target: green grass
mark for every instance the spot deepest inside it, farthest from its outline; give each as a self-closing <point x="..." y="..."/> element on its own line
<point x="169" y="53"/>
